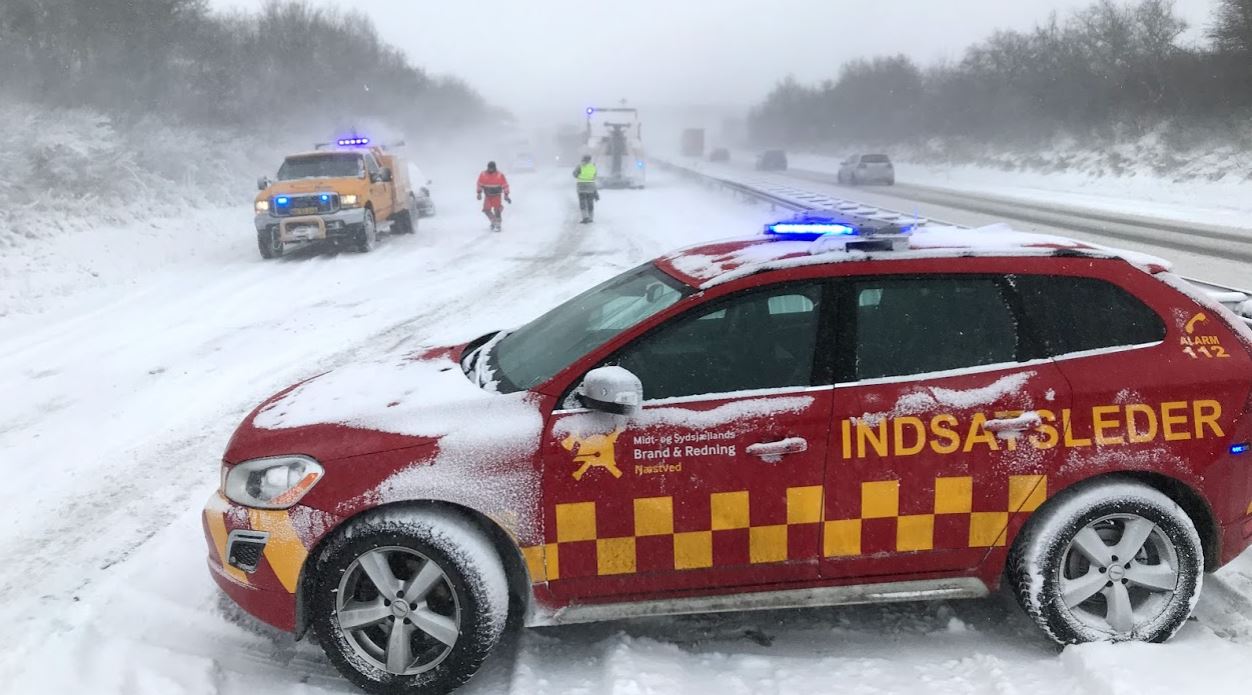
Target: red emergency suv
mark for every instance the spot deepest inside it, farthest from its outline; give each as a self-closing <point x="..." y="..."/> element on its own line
<point x="815" y="417"/>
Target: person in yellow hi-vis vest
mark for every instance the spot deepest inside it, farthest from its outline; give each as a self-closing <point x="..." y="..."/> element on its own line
<point x="585" y="173"/>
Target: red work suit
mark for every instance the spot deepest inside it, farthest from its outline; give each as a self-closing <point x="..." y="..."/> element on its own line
<point x="493" y="187"/>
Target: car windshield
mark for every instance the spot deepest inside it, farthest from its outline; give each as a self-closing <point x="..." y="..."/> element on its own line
<point x="329" y="165"/>
<point x="875" y="159"/>
<point x="538" y="350"/>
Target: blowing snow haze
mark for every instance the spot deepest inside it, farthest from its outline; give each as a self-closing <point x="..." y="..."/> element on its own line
<point x="550" y="57"/>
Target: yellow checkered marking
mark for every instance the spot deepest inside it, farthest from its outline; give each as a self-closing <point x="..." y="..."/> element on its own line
<point x="654" y="516"/>
<point x="730" y="511"/>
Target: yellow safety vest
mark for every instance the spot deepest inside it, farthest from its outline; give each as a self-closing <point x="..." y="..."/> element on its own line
<point x="587" y="173"/>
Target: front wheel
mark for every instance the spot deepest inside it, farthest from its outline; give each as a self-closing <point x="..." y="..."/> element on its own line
<point x="409" y="602"/>
<point x="270" y="244"/>
<point x="367" y="238"/>
<point x="1112" y="561"/>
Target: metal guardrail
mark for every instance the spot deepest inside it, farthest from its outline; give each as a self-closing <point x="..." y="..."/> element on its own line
<point x="799" y="200"/>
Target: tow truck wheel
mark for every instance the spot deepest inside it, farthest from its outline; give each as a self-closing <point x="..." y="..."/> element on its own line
<point x="1112" y="561"/>
<point x="367" y="238"/>
<point x="409" y="601"/>
<point x="406" y="221"/>
<point x="269" y="244"/>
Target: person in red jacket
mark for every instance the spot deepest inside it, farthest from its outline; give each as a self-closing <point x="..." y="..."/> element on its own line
<point x="492" y="186"/>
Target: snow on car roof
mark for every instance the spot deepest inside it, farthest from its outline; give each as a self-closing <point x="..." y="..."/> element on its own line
<point x="718" y="262"/>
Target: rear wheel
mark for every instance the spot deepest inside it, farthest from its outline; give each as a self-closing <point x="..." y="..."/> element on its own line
<point x="367" y="238"/>
<point x="405" y="221"/>
<point x="1112" y="561"/>
<point x="269" y="243"/>
<point x="409" y="602"/>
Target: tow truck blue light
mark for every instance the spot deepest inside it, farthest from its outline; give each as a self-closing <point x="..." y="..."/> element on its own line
<point x="1240" y="448"/>
<point x="639" y="163"/>
<point x="810" y="229"/>
<point x="590" y="110"/>
<point x="325" y="198"/>
<point x="352" y="142"/>
<point x="282" y="200"/>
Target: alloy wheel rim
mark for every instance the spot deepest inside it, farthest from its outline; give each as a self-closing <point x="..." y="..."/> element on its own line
<point x="397" y="609"/>
<point x="1118" y="574"/>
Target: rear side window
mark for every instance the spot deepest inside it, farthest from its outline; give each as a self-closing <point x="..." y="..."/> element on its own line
<point x="906" y="326"/>
<point x="1071" y="314"/>
<point x="875" y="159"/>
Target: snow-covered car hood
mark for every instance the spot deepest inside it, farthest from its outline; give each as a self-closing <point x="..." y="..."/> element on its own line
<point x="383" y="405"/>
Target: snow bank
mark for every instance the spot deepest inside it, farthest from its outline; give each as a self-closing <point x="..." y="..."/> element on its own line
<point x="73" y="169"/>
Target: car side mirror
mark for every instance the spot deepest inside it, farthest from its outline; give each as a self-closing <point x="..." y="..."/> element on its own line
<point x="263" y="183"/>
<point x="611" y="390"/>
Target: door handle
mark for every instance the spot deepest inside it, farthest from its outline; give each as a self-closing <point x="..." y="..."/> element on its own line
<point x="773" y="451"/>
<point x="1011" y="427"/>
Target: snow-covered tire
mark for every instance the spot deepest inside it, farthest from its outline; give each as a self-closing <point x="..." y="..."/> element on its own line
<point x="367" y="238"/>
<point x="406" y="220"/>
<point x="1110" y="561"/>
<point x="444" y="562"/>
<point x="269" y="245"/>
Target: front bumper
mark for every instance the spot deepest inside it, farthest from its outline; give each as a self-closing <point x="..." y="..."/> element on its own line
<point x="257" y="556"/>
<point x="341" y="224"/>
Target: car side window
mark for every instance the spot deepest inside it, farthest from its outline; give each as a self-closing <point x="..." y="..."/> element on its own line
<point x="1073" y="314"/>
<point x="906" y="326"/>
<point x="758" y="340"/>
<point x="371" y="166"/>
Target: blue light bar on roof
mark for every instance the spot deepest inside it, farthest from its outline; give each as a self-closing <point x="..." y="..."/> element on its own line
<point x="1240" y="448"/>
<point x="353" y="142"/>
<point x="809" y="229"/>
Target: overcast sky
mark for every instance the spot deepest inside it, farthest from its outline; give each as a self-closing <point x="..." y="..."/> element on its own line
<point x="542" y="56"/>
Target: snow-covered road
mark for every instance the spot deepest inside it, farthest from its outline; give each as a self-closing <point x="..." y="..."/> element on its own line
<point x="128" y="356"/>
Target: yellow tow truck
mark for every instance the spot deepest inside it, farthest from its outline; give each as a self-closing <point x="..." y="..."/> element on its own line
<point x="345" y="195"/>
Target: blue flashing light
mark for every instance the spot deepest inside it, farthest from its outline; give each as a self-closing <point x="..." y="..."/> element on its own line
<point x="590" y="110"/>
<point x="353" y="142"/>
<point x="282" y="200"/>
<point x="810" y="229"/>
<point x="639" y="163"/>
<point x="325" y="198"/>
<point x="1240" y="448"/>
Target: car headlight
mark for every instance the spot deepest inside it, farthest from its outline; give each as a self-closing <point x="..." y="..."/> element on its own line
<point x="348" y="200"/>
<point x="271" y="483"/>
<point x="262" y="206"/>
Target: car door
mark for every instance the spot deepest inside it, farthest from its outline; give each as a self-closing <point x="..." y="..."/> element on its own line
<point x="716" y="482"/>
<point x="942" y="433"/>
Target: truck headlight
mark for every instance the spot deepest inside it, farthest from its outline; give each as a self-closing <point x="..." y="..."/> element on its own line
<point x="262" y="206"/>
<point x="271" y="483"/>
<point x="348" y="201"/>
